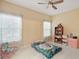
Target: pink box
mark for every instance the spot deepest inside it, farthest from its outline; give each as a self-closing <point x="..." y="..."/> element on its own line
<point x="74" y="43"/>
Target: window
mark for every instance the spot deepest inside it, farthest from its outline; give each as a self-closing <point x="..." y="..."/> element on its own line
<point x="10" y="28"/>
<point x="46" y="28"/>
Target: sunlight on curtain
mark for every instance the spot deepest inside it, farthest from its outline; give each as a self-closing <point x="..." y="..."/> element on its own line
<point x="46" y="28"/>
<point x="10" y="28"/>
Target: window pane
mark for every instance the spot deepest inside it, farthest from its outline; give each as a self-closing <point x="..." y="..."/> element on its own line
<point x="47" y="33"/>
<point x="46" y="28"/>
<point x="11" y="27"/>
<point x="47" y="25"/>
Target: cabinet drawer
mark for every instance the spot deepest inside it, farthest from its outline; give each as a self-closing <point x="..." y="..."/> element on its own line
<point x="73" y="43"/>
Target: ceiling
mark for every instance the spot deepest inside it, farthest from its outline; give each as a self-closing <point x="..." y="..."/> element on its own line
<point x="67" y="5"/>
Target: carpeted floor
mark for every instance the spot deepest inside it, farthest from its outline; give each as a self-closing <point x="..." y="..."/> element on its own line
<point x="30" y="53"/>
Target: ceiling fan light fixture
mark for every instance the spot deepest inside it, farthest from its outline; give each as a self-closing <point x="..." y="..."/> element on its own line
<point x="57" y="1"/>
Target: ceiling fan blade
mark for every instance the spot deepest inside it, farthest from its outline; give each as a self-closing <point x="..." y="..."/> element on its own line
<point x="57" y="2"/>
<point x="42" y="3"/>
<point x="54" y="7"/>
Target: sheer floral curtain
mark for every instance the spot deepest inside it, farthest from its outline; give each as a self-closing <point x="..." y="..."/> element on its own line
<point x="10" y="29"/>
<point x="47" y="29"/>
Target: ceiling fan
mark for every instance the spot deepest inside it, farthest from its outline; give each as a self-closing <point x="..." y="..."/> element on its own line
<point x="52" y="3"/>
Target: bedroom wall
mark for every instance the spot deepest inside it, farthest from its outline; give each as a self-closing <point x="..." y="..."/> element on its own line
<point x="70" y="21"/>
<point x="31" y="21"/>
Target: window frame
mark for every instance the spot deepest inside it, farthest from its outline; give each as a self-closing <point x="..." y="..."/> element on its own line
<point x="16" y="15"/>
<point x="50" y="29"/>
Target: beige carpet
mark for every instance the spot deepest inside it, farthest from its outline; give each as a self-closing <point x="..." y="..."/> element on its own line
<point x="30" y="53"/>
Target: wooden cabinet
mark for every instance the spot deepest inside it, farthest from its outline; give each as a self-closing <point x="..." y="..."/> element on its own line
<point x="74" y="43"/>
<point x="58" y="33"/>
